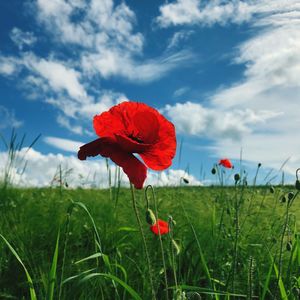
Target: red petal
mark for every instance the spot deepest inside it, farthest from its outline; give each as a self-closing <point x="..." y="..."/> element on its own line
<point x="107" y="124"/>
<point x="130" y="145"/>
<point x="132" y="122"/>
<point x="226" y="163"/>
<point x="163" y="227"/>
<point x="161" y="154"/>
<point x="107" y="147"/>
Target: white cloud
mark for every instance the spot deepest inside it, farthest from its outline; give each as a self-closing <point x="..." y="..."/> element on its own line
<point x="63" y="144"/>
<point x="111" y="63"/>
<point x="181" y="91"/>
<point x="57" y="75"/>
<point x="271" y="82"/>
<point x="58" y="84"/>
<point x="66" y="123"/>
<point x="179" y="12"/>
<point x="262" y="12"/>
<point x="183" y="12"/>
<point x="179" y="37"/>
<point x="22" y="38"/>
<point x="260" y="110"/>
<point x="105" y="33"/>
<point x="42" y="169"/>
<point x="195" y="119"/>
<point x="101" y="24"/>
<point x="8" y="119"/>
<point x="8" y="66"/>
<point x="103" y="42"/>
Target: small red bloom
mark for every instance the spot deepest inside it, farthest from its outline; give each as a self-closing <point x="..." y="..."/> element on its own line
<point x="162" y="225"/>
<point x="132" y="127"/>
<point x="226" y="163"/>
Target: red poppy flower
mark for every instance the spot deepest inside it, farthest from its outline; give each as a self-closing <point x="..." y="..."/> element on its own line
<point x="132" y="127"/>
<point x="162" y="225"/>
<point x="226" y="163"/>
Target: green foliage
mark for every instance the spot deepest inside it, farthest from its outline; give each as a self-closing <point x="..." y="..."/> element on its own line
<point x="99" y="255"/>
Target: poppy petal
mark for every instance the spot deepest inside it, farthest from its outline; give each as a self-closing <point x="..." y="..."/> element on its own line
<point x="107" y="147"/>
<point x="130" y="145"/>
<point x="160" y="226"/>
<point x="160" y="156"/>
<point x="226" y="163"/>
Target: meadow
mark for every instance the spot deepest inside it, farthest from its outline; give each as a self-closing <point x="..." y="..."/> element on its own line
<point x="225" y="242"/>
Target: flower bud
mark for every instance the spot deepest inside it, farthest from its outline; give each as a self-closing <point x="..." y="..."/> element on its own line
<point x="291" y="196"/>
<point x="283" y="199"/>
<point x="185" y="180"/>
<point x="150" y="217"/>
<point x="237" y="177"/>
<point x="272" y="190"/>
<point x="176" y="247"/>
<point x="289" y="246"/>
<point x="297" y="185"/>
<point x="171" y="221"/>
<point x="213" y="171"/>
<point x="259" y="165"/>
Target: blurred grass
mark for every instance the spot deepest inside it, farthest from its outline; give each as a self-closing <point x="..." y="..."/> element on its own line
<point x="30" y="220"/>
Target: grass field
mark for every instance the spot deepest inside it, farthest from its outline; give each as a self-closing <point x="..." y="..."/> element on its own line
<point x="233" y="243"/>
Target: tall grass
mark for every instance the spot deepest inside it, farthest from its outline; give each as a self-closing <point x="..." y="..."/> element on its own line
<point x="228" y="242"/>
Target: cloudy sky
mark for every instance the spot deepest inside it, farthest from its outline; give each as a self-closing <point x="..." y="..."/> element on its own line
<point x="226" y="73"/>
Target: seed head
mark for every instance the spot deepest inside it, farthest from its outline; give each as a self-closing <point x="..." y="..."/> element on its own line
<point x="237" y="177"/>
<point x="291" y="196"/>
<point x="283" y="199"/>
<point x="185" y="180"/>
<point x="150" y="217"/>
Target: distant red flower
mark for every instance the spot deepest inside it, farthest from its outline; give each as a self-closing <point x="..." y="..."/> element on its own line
<point x="132" y="127"/>
<point x="162" y="225"/>
<point x="226" y="163"/>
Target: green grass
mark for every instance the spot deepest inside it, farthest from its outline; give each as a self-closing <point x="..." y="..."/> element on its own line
<point x="235" y="243"/>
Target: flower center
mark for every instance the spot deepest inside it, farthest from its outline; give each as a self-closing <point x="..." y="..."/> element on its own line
<point x="136" y="139"/>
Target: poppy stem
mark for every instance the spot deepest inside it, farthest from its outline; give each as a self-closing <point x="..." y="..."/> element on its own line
<point x="144" y="240"/>
<point x="160" y="240"/>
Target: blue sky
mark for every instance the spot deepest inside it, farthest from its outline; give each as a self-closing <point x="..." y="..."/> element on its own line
<point x="226" y="73"/>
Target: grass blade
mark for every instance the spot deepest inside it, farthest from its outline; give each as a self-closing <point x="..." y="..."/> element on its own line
<point x="52" y="274"/>
<point x="30" y="283"/>
<point x="280" y="284"/>
<point x="129" y="289"/>
<point x="267" y="282"/>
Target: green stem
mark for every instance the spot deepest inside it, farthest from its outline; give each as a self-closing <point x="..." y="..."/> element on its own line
<point x="161" y="245"/>
<point x="70" y="210"/>
<point x="173" y="256"/>
<point x="144" y="240"/>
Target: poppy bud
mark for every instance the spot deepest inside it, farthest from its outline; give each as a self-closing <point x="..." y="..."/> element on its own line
<point x="291" y="196"/>
<point x="283" y="199"/>
<point x="150" y="217"/>
<point x="272" y="190"/>
<point x="297" y="185"/>
<point x="237" y="177"/>
<point x="259" y="165"/>
<point x="176" y="247"/>
<point x="213" y="171"/>
<point x="185" y="180"/>
<point x="289" y="246"/>
<point x="171" y="221"/>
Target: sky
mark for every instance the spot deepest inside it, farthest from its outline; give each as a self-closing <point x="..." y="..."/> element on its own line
<point x="226" y="73"/>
